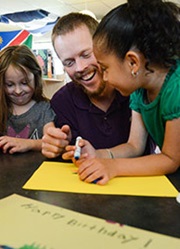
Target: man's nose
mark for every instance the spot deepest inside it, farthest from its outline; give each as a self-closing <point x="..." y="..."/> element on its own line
<point x="81" y="64"/>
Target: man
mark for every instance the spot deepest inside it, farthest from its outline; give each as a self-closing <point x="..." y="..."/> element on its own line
<point x="87" y="106"/>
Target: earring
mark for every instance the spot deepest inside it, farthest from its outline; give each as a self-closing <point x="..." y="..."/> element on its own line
<point x="134" y="74"/>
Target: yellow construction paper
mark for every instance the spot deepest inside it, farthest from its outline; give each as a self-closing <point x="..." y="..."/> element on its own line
<point x="25" y="221"/>
<point x="56" y="176"/>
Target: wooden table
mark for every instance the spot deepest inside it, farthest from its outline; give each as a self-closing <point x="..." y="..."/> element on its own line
<point x="157" y="214"/>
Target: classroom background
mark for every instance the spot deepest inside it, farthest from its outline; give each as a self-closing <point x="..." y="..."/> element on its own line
<point x="31" y="22"/>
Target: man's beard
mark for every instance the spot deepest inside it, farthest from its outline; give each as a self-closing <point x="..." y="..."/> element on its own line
<point x="96" y="93"/>
<point x="79" y="75"/>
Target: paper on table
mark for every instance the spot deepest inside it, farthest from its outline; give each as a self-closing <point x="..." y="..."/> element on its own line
<point x="26" y="222"/>
<point x="56" y="176"/>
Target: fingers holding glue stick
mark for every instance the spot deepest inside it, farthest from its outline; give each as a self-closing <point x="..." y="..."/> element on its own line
<point x="81" y="150"/>
<point x="74" y="152"/>
<point x="77" y="152"/>
<point x="84" y="150"/>
<point x="77" y="155"/>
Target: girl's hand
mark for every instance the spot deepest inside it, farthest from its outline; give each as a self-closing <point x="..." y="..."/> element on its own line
<point x="96" y="170"/>
<point x="87" y="151"/>
<point x="12" y="145"/>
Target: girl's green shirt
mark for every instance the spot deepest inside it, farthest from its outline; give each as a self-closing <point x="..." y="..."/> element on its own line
<point x="165" y="107"/>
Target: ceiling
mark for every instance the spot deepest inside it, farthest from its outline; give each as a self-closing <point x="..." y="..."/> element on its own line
<point x="60" y="7"/>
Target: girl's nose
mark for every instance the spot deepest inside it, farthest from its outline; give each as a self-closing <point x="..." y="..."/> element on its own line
<point x="18" y="89"/>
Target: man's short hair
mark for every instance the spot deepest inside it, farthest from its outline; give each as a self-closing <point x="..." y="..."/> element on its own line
<point x="69" y="22"/>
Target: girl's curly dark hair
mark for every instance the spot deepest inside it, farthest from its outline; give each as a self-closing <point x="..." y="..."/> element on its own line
<point x="151" y="27"/>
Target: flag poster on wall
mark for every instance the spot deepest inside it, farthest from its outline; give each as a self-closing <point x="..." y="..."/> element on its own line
<point x="18" y="28"/>
<point x="15" y="37"/>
